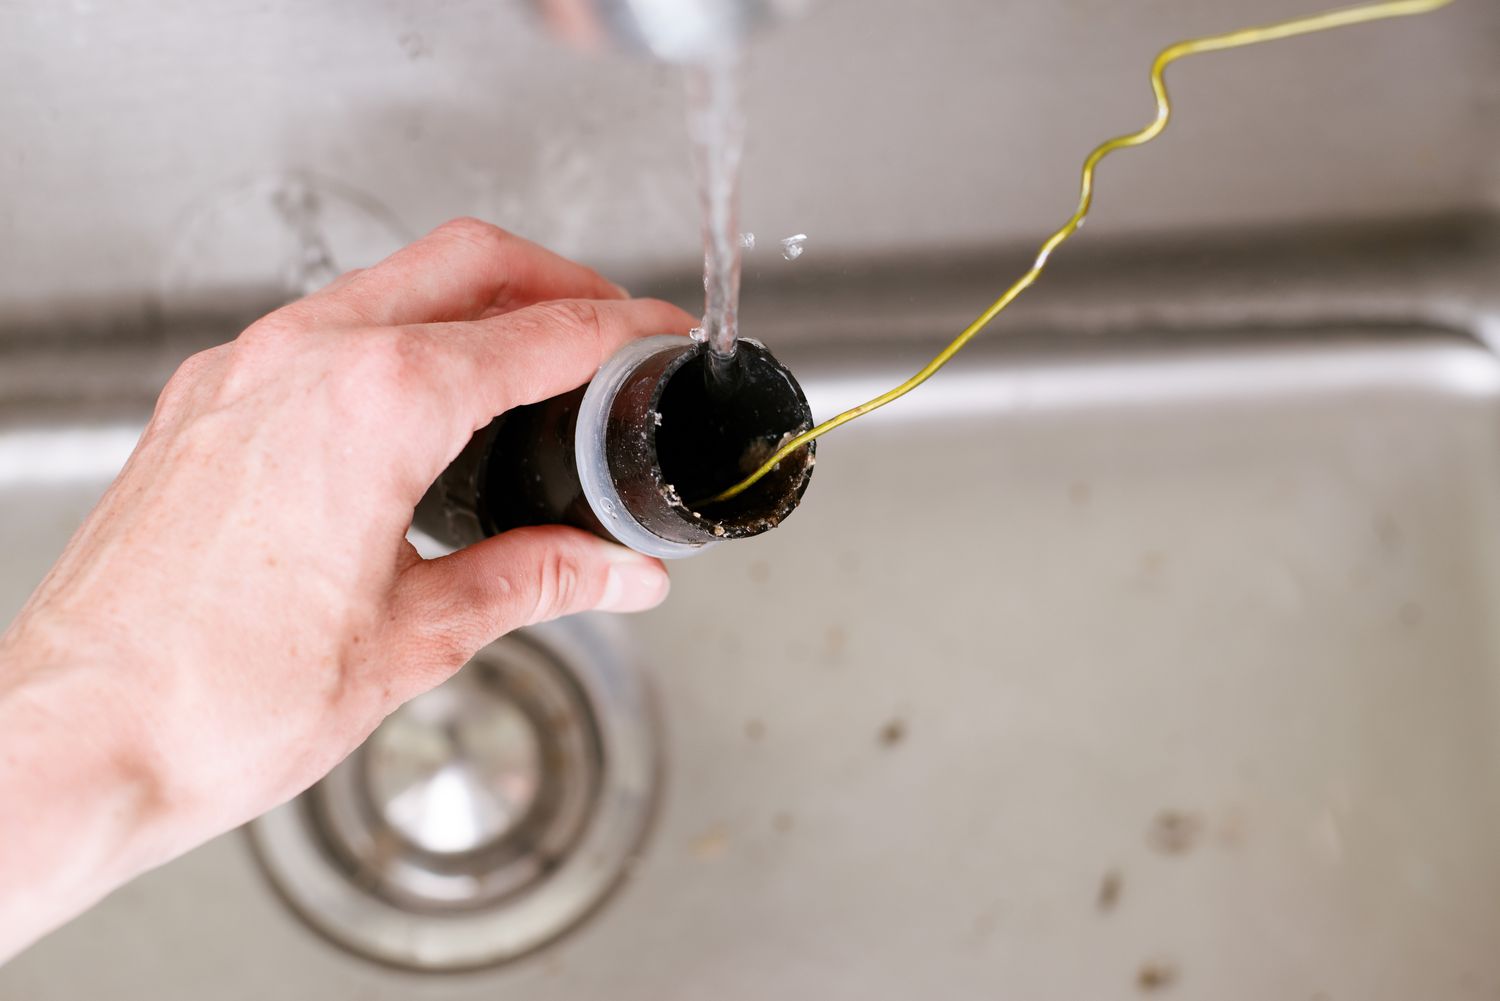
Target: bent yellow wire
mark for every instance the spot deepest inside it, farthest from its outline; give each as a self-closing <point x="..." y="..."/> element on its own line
<point x="1211" y="43"/>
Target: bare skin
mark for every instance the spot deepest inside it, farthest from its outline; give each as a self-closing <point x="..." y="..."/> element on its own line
<point x="242" y="608"/>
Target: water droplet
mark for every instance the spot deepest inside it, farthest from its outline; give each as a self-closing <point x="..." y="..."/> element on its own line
<point x="609" y="509"/>
<point x="747" y="241"/>
<point x="656" y="417"/>
<point x="698" y="335"/>
<point x="792" y="246"/>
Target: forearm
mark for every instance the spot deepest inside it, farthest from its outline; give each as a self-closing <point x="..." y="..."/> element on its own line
<point x="192" y="660"/>
<point x="81" y="810"/>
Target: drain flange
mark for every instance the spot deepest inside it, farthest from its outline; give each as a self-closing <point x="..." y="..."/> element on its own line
<point x="484" y="818"/>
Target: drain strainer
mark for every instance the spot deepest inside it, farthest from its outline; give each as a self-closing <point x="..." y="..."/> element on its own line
<point x="484" y="818"/>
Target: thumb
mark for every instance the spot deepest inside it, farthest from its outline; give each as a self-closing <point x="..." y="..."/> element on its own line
<point x="446" y="609"/>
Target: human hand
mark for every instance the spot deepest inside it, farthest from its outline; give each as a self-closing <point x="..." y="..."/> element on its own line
<point x="242" y="607"/>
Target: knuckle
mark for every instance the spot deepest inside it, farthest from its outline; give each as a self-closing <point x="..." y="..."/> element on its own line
<point x="271" y="330"/>
<point x="446" y="628"/>
<point x="373" y="378"/>
<point x="578" y="315"/>
<point x="170" y="404"/>
<point x="183" y="385"/>
<point x="473" y="594"/>
<point x="189" y="373"/>
<point x="247" y="362"/>
<point x="475" y="231"/>
<point x="386" y="361"/>
<point x="384" y="378"/>
<point x="561" y="585"/>
<point x="475" y="609"/>
<point x="449" y="648"/>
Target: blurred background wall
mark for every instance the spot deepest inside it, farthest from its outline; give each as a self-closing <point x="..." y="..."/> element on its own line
<point x="158" y="151"/>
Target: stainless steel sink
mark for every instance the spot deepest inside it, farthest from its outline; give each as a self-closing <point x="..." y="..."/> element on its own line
<point x="1148" y="650"/>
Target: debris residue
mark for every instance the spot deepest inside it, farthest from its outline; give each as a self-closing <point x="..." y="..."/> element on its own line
<point x="1174" y="832"/>
<point x="711" y="844"/>
<point x="414" y="45"/>
<point x="893" y="733"/>
<point x="1155" y="975"/>
<point x="835" y="638"/>
<point x="1109" y="890"/>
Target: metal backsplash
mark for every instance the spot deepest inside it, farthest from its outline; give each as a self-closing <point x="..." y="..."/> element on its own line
<point x="159" y="152"/>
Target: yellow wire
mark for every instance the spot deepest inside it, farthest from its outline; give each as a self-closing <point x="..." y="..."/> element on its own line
<point x="1212" y="43"/>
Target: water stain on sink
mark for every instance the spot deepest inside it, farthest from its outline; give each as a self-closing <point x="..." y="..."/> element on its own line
<point x="893" y="733"/>
<point x="1388" y="532"/>
<point x="1110" y="887"/>
<point x="414" y="45"/>
<point x="1150" y="572"/>
<point x="1174" y="832"/>
<point x="754" y="729"/>
<point x="985" y="924"/>
<point x="1155" y="975"/>
<point x="711" y="844"/>
<point x="1232" y="828"/>
<point x="835" y="639"/>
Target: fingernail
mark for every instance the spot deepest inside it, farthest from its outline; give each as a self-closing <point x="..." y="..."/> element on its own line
<point x="634" y="584"/>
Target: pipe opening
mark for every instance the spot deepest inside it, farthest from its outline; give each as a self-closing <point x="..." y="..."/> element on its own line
<point x="709" y="435"/>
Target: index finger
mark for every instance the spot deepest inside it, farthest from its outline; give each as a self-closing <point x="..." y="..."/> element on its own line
<point x="486" y="367"/>
<point x="463" y="270"/>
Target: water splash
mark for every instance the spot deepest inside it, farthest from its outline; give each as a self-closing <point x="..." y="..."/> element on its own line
<point x="792" y="246"/>
<point x="747" y="241"/>
<point x="272" y="236"/>
<point x="300" y="208"/>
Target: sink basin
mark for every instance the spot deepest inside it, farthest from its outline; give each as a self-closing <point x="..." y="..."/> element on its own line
<point x="1145" y="650"/>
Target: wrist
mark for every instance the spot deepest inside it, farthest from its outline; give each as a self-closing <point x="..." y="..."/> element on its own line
<point x="82" y="800"/>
